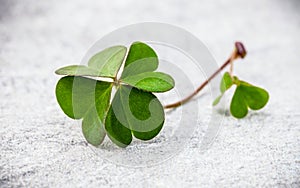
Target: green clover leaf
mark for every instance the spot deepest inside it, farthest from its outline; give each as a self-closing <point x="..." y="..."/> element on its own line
<point x="225" y="84"/>
<point x="150" y="81"/>
<point x="134" y="110"/>
<point x="85" y="98"/>
<point x="246" y="96"/>
<point x="104" y="64"/>
<point x="141" y="58"/>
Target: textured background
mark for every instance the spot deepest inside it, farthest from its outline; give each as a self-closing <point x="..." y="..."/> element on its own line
<point x="41" y="147"/>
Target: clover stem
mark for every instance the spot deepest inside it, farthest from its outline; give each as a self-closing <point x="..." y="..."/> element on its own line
<point x="231" y="64"/>
<point x="238" y="52"/>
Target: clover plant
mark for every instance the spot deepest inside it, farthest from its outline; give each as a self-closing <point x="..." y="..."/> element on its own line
<point x="245" y="96"/>
<point x="114" y="94"/>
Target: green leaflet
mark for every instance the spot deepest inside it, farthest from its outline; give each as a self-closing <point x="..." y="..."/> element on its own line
<point x="217" y="100"/>
<point x="151" y="81"/>
<point x="247" y="96"/>
<point x="136" y="112"/>
<point x="85" y="98"/>
<point x="255" y="97"/>
<point x="92" y="128"/>
<point x="141" y="58"/>
<point x="77" y="70"/>
<point x="103" y="64"/>
<point x="225" y="84"/>
<point x="108" y="61"/>
<point x="238" y="107"/>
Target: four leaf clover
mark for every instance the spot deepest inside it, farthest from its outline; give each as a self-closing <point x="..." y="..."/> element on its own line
<point x="245" y="96"/>
<point x="113" y="93"/>
<point x="134" y="110"/>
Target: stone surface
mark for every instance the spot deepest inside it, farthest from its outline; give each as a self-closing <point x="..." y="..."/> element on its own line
<point x="41" y="147"/>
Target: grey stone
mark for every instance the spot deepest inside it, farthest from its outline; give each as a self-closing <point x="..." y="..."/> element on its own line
<point x="41" y="147"/>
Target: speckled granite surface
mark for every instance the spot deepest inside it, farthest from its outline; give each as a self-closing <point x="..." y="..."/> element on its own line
<point x="41" y="147"/>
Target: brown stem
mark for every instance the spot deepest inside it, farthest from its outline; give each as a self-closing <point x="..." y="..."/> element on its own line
<point x="238" y="52"/>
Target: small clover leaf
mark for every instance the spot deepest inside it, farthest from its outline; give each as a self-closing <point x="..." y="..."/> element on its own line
<point x="238" y="106"/>
<point x="255" y="97"/>
<point x="225" y="84"/>
<point x="245" y="96"/>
